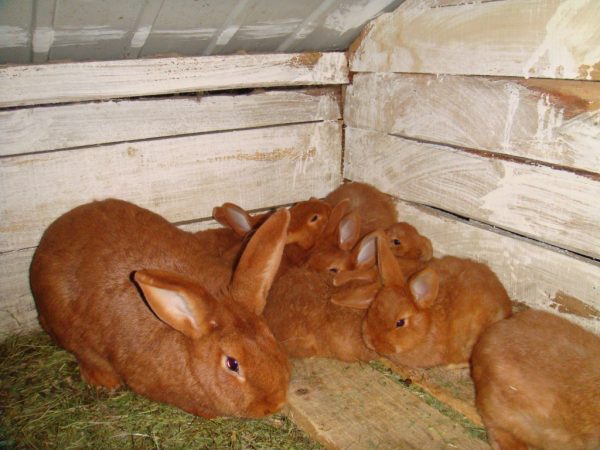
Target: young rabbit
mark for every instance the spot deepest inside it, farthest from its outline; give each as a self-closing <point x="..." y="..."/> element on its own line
<point x="307" y="324"/>
<point x="537" y="381"/>
<point x="376" y="209"/>
<point x="137" y="300"/>
<point x="437" y="316"/>
<point x="411" y="249"/>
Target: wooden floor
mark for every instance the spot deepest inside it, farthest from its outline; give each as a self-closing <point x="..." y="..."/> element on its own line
<point x="356" y="406"/>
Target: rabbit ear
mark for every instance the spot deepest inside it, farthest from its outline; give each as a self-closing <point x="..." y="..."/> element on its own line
<point x="364" y="255"/>
<point x="389" y="269"/>
<point x="346" y="276"/>
<point x="424" y="286"/>
<point x="234" y="217"/>
<point x="177" y="301"/>
<point x="349" y="231"/>
<point x="337" y="213"/>
<point x="357" y="297"/>
<point x="260" y="261"/>
<point x="427" y="249"/>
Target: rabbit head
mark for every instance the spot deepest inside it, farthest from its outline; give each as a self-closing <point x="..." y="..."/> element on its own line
<point x="406" y="242"/>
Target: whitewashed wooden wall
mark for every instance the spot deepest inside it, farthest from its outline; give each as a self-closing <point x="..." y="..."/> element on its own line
<point x="483" y="120"/>
<point x="71" y="133"/>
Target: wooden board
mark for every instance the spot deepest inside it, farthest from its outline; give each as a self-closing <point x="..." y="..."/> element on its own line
<point x="554" y="206"/>
<point x="540" y="276"/>
<point x="60" y="83"/>
<point x="180" y="178"/>
<point x="523" y="38"/>
<point x="30" y="130"/>
<point x="352" y="406"/>
<point x="554" y="121"/>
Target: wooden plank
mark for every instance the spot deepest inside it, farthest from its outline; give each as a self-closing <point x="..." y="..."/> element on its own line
<point x="553" y="206"/>
<point x="17" y="310"/>
<point x="532" y="273"/>
<point x="554" y="121"/>
<point x="523" y="38"/>
<point x="30" y="130"/>
<point x="352" y="406"/>
<point x="180" y="178"/>
<point x="59" y="83"/>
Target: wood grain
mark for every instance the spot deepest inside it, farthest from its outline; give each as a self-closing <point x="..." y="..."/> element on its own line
<point x="180" y="178"/>
<point x="553" y="206"/>
<point x="29" y="130"/>
<point x="534" y="274"/>
<point x="69" y="82"/>
<point x="554" y="121"/>
<point x="352" y="406"/>
<point x="523" y="38"/>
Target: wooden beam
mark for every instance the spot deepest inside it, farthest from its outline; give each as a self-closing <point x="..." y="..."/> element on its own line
<point x="523" y="38"/>
<point x="553" y="121"/>
<point x="537" y="275"/>
<point x="180" y="178"/>
<point x="553" y="206"/>
<point x="352" y="406"/>
<point x="31" y="130"/>
<point x="60" y="83"/>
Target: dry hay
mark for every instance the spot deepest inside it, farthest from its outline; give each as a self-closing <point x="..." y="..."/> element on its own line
<point x="44" y="404"/>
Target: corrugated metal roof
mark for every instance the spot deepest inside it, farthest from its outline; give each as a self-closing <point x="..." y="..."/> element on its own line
<point x="82" y="30"/>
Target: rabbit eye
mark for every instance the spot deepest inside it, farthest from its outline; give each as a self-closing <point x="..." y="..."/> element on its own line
<point x="396" y="242"/>
<point x="400" y="323"/>
<point x="314" y="218"/>
<point x="232" y="364"/>
<point x="333" y="269"/>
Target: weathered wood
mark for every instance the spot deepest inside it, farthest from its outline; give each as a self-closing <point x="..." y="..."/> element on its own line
<point x="554" y="206"/>
<point x="451" y="386"/>
<point x="55" y="127"/>
<point x="554" y="121"/>
<point x="532" y="273"/>
<point x="352" y="406"/>
<point x="180" y="178"/>
<point x="17" y="310"/>
<point x="524" y="38"/>
<point x="59" y="83"/>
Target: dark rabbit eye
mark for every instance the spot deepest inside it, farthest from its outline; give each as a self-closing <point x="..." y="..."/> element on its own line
<point x="396" y="241"/>
<point x="232" y="364"/>
<point x="333" y="269"/>
<point x="314" y="218"/>
<point x="400" y="323"/>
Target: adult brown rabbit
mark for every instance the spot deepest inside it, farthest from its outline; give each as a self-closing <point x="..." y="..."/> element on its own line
<point x="537" y="381"/>
<point x="197" y="342"/>
<point x="376" y="209"/>
<point x="435" y="318"/>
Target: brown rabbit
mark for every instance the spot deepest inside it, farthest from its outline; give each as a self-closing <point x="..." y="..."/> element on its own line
<point x="196" y="342"/>
<point x="307" y="324"/>
<point x="411" y="249"/>
<point x="376" y="209"/>
<point x="537" y="380"/>
<point x="437" y="316"/>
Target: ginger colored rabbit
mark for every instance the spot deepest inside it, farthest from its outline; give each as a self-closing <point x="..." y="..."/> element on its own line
<point x="376" y="209"/>
<point x="305" y="321"/>
<point x="537" y="381"/>
<point x="138" y="301"/>
<point x="435" y="318"/>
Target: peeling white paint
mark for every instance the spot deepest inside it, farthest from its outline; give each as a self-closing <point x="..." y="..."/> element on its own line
<point x="550" y="118"/>
<point x="513" y="104"/>
<point x="139" y="38"/>
<point x="186" y="33"/>
<point x="86" y="35"/>
<point x="43" y="38"/>
<point x="268" y="30"/>
<point x="13" y="36"/>
<point x="561" y="53"/>
<point x="354" y="15"/>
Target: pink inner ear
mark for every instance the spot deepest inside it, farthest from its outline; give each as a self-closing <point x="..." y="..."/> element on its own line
<point x="424" y="287"/>
<point x="419" y="288"/>
<point x="240" y="220"/>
